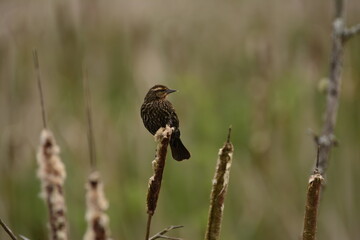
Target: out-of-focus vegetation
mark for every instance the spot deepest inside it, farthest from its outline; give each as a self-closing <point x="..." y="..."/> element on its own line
<point x="253" y="64"/>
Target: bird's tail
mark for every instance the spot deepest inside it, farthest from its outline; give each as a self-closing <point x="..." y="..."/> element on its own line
<point x="178" y="150"/>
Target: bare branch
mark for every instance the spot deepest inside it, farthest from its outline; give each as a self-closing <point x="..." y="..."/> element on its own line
<point x="219" y="188"/>
<point x="161" y="234"/>
<point x="326" y="139"/>
<point x="37" y="68"/>
<point x="340" y="35"/>
<point x="7" y="230"/>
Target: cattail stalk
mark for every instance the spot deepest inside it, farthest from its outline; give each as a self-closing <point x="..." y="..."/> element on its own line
<point x="88" y="112"/>
<point x="38" y="77"/>
<point x="97" y="219"/>
<point x="219" y="188"/>
<point x="52" y="174"/>
<point x="162" y="137"/>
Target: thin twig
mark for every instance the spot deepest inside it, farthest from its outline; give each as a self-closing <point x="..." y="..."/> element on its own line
<point x="7" y="230"/>
<point x="161" y="234"/>
<point x="90" y="134"/>
<point x="23" y="237"/>
<point x="37" y="68"/>
<point x="350" y="32"/>
<point x="167" y="237"/>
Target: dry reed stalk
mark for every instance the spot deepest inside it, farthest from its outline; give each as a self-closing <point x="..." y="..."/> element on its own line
<point x="51" y="173"/>
<point x="97" y="219"/>
<point x="7" y="230"/>
<point x="90" y="134"/>
<point x="162" y="137"/>
<point x="219" y="188"/>
<point x="41" y="94"/>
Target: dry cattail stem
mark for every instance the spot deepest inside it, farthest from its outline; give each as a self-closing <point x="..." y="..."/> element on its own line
<point x="312" y="203"/>
<point x="162" y="137"/>
<point x="42" y="103"/>
<point x="51" y="173"/>
<point x="97" y="219"/>
<point x="218" y="192"/>
<point x="90" y="134"/>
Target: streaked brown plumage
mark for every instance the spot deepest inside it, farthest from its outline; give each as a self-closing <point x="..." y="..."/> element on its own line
<point x="157" y="112"/>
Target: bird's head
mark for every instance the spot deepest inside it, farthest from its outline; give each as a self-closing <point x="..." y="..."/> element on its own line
<point x="158" y="92"/>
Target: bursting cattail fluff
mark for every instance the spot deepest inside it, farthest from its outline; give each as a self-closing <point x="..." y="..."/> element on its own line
<point x="52" y="174"/>
<point x="96" y="205"/>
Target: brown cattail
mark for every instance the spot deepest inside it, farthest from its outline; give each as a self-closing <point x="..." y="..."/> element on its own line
<point x="51" y="173"/>
<point x="219" y="188"/>
<point x="97" y="219"/>
<point x="312" y="205"/>
<point x="162" y="137"/>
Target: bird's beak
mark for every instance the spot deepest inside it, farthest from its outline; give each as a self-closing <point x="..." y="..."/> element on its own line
<point x="168" y="91"/>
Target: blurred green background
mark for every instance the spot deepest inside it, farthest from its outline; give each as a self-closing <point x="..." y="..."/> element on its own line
<point x="253" y="64"/>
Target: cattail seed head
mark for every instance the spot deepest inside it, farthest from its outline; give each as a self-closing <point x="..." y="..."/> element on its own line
<point x="97" y="219"/>
<point x="52" y="174"/>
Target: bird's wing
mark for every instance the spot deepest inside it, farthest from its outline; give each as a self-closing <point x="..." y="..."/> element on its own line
<point x="172" y="118"/>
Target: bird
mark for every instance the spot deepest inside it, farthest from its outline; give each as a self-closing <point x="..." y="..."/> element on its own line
<point x="157" y="112"/>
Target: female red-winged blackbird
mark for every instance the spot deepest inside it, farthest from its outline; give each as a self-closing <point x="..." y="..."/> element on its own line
<point x="157" y="112"/>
